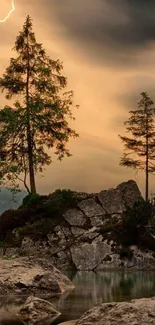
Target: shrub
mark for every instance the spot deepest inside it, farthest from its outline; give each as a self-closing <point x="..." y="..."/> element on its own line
<point x="139" y="215"/>
<point x="38" y="229"/>
<point x="58" y="202"/>
<point x="134" y="219"/>
<point x="12" y="219"/>
<point x="31" y="199"/>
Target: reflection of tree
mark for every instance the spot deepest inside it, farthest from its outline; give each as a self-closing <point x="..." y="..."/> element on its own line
<point x="94" y="288"/>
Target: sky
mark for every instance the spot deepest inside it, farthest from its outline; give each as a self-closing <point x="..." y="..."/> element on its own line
<point x="108" y="51"/>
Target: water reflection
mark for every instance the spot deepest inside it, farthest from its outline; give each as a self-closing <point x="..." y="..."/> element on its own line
<point x="94" y="288"/>
<point x="90" y="289"/>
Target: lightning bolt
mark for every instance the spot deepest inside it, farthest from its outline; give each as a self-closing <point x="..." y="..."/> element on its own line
<point x="9" y="13"/>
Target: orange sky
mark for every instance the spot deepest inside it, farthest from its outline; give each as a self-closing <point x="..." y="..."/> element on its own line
<point x="107" y="75"/>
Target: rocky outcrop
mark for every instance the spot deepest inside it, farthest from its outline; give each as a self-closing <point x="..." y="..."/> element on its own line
<point x="38" y="311"/>
<point x="84" y="239"/>
<point x="32" y="276"/>
<point x="135" y="312"/>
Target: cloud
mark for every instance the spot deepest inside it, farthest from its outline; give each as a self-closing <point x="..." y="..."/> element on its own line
<point x="108" y="30"/>
<point x="132" y="95"/>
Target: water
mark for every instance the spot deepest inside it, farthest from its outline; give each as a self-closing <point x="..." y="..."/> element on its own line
<point x="92" y="289"/>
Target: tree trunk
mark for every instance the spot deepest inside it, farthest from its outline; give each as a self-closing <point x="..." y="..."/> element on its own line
<point x="146" y="179"/>
<point x="147" y="161"/>
<point x="29" y="134"/>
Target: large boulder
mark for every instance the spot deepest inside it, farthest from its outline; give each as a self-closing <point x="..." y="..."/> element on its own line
<point x="93" y="210"/>
<point x="135" y="312"/>
<point x="112" y="201"/>
<point x="38" y="311"/>
<point x="32" y="276"/>
<point x="130" y="192"/>
<point x="75" y="217"/>
<point x="88" y="256"/>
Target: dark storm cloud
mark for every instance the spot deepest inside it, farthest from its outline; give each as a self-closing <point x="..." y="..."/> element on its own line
<point x="138" y="84"/>
<point x="113" y="27"/>
<point x="129" y="99"/>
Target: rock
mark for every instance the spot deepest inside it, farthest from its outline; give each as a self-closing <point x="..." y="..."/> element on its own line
<point x="30" y="247"/>
<point x="135" y="312"/>
<point x="66" y="231"/>
<point x="77" y="231"/>
<point x="28" y="275"/>
<point x="88" y="235"/>
<point x="112" y="201"/>
<point x="130" y="192"/>
<point x="27" y="245"/>
<point x="82" y="195"/>
<point x="38" y="311"/>
<point x="89" y="256"/>
<point x="92" y="210"/>
<point x="75" y="217"/>
<point x="57" y="242"/>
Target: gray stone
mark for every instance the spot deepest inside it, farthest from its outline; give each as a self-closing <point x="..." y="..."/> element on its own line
<point x="97" y="221"/>
<point x="38" y="311"/>
<point x="63" y="260"/>
<point x="91" y="208"/>
<point x="89" y="234"/>
<point x="57" y="228"/>
<point x="130" y="192"/>
<point x="77" y="231"/>
<point x="89" y="256"/>
<point x="27" y="245"/>
<point x="75" y="217"/>
<point x="66" y="231"/>
<point x="112" y="201"/>
<point x="52" y="238"/>
<point x="111" y="261"/>
<point x="135" y="312"/>
<point x="57" y="242"/>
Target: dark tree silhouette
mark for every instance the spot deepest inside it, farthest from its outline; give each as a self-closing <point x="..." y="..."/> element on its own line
<point x="142" y="143"/>
<point x="38" y="119"/>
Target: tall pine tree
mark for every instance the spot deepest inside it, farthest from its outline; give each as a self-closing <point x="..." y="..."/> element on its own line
<point x="141" y="145"/>
<point x="38" y="120"/>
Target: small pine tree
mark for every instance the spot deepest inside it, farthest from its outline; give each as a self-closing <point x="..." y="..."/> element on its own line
<point x="39" y="118"/>
<point x="142" y="144"/>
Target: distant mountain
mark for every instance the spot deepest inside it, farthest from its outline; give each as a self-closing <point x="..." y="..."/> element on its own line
<point x="8" y="200"/>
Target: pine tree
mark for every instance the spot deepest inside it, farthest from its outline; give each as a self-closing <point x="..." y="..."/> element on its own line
<point x="142" y="144"/>
<point x="38" y="120"/>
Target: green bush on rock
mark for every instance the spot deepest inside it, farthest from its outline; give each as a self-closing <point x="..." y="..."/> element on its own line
<point x="58" y="202"/>
<point x="37" y="230"/>
<point x="31" y="199"/>
<point x="38" y="214"/>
